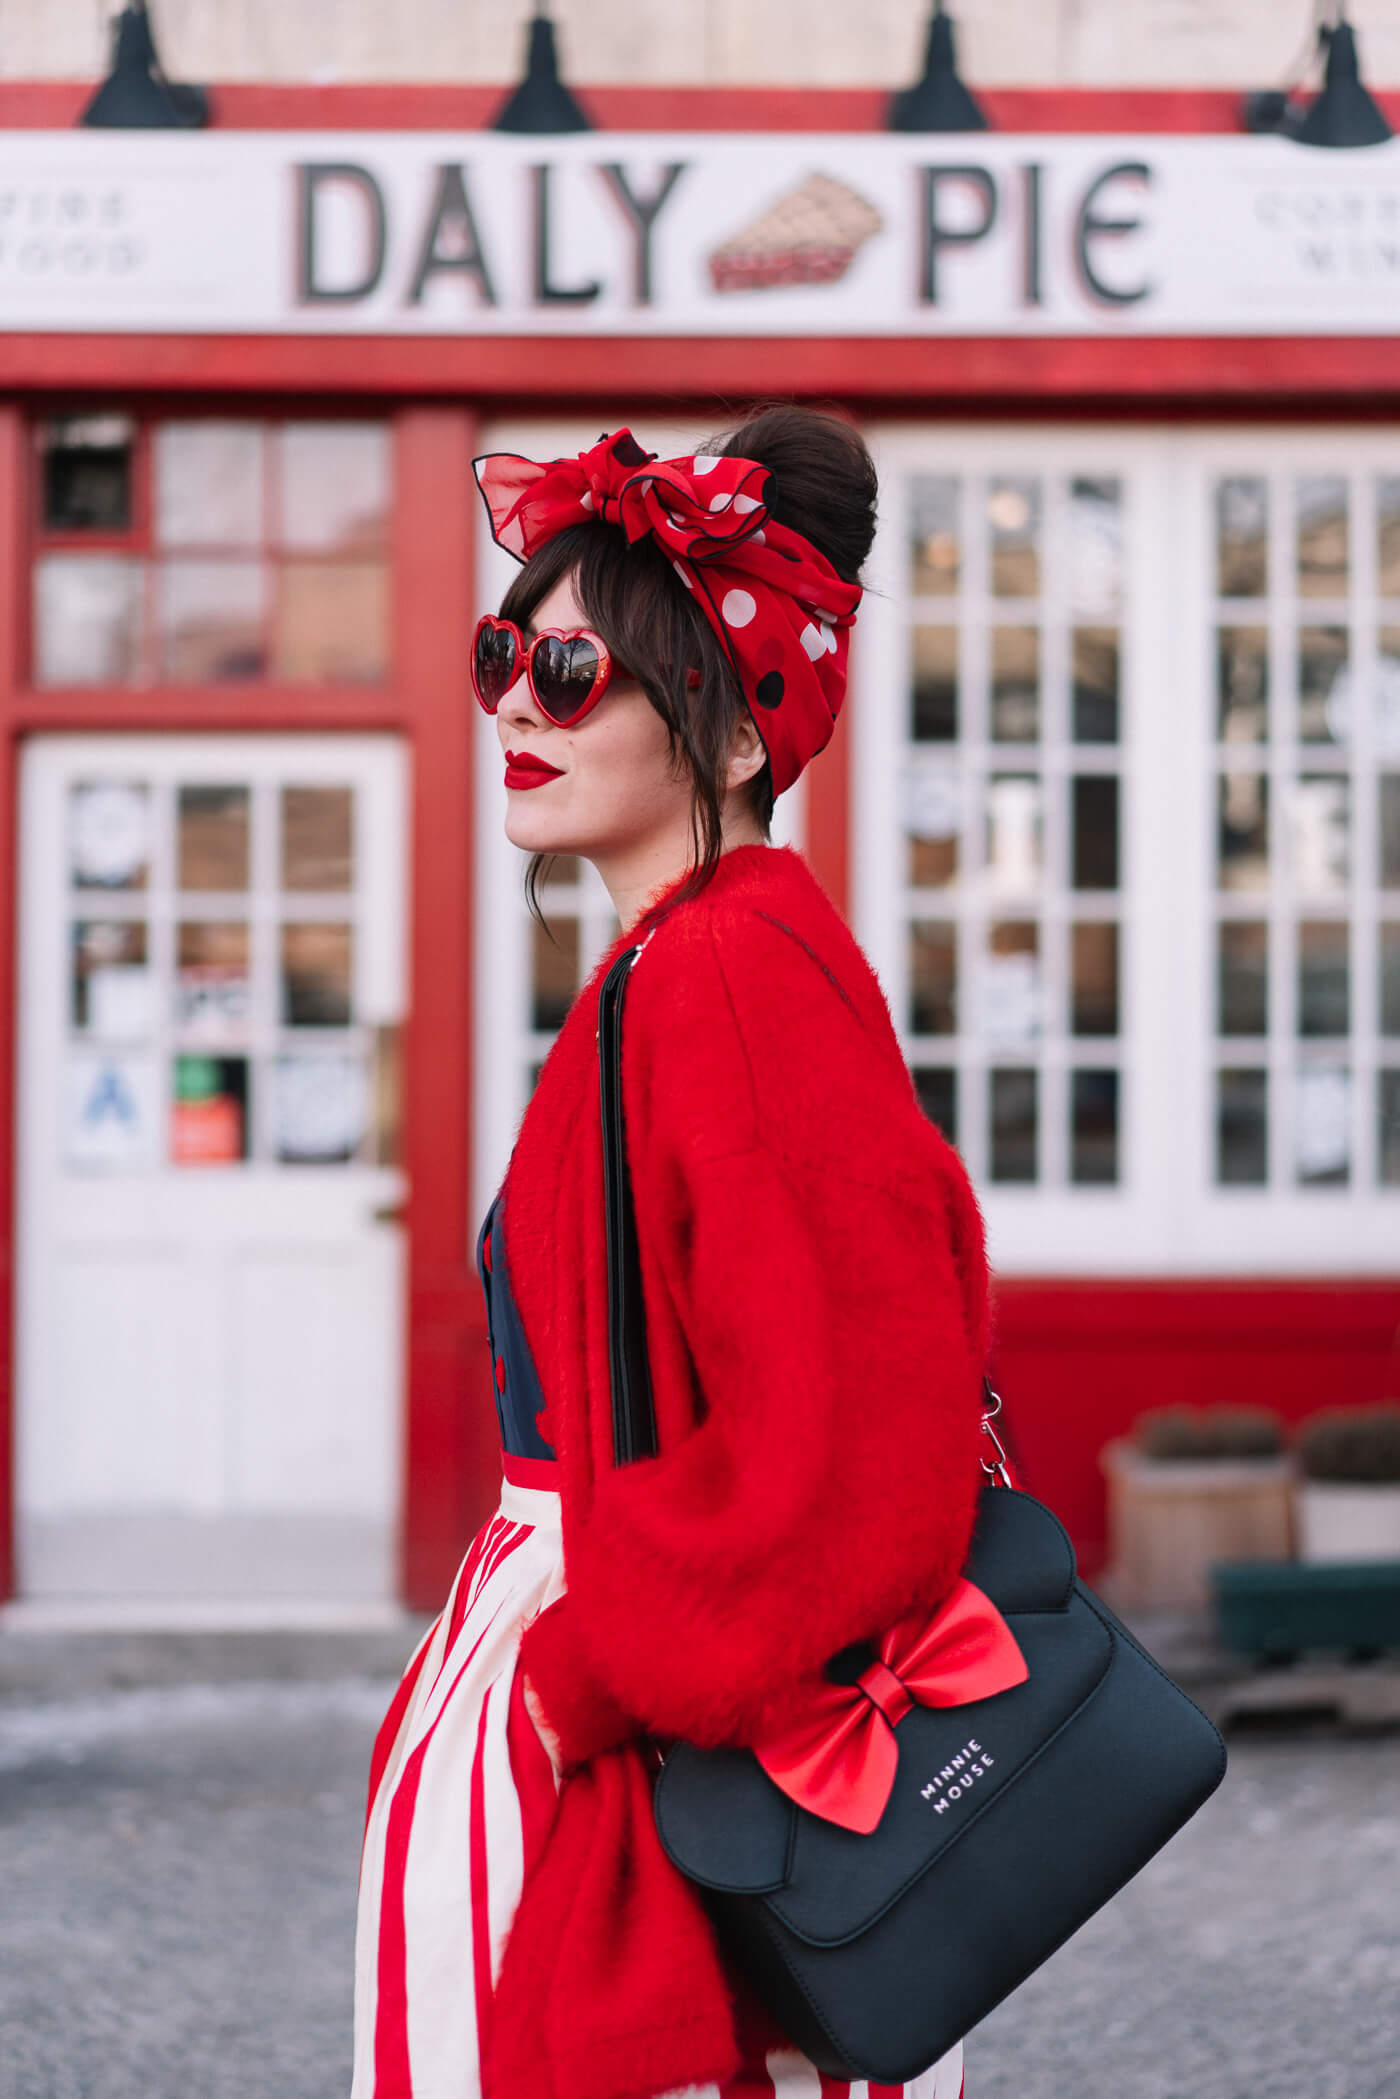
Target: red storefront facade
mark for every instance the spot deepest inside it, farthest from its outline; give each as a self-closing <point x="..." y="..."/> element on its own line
<point x="1081" y="1349"/>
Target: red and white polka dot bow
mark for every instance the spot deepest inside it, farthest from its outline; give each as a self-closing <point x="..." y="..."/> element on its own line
<point x="778" y="606"/>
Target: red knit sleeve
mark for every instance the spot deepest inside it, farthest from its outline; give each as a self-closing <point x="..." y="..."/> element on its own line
<point x="823" y="1256"/>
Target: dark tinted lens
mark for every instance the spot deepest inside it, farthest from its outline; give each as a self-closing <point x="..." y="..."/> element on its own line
<point x="494" y="663"/>
<point x="564" y="674"/>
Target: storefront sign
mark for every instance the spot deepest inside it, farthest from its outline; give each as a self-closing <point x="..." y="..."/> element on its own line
<point x="475" y="233"/>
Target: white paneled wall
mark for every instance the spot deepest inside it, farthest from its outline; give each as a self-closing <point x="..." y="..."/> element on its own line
<point x="1097" y="43"/>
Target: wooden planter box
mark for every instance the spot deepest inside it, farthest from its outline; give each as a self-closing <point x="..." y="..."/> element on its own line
<point x="1339" y="1520"/>
<point x="1278" y="1612"/>
<point x="1170" y="1520"/>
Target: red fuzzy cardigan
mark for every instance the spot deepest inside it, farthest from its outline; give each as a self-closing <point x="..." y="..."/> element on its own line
<point x="815" y="1286"/>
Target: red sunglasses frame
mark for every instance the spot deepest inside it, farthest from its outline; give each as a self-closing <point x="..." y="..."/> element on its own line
<point x="525" y="663"/>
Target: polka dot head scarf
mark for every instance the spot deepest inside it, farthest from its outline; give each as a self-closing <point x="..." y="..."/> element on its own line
<point x="780" y="610"/>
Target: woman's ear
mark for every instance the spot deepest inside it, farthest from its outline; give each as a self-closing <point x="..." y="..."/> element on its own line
<point x="747" y="756"/>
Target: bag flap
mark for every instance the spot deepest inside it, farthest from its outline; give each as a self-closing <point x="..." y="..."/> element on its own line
<point x="723" y="1821"/>
<point x="1020" y="1555"/>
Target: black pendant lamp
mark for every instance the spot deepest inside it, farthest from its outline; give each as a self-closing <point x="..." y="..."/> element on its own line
<point x="1343" y="114"/>
<point x="541" y="102"/>
<point x="136" y="96"/>
<point x="939" y="101"/>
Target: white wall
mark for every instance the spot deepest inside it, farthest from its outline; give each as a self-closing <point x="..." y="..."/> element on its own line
<point x="1092" y="43"/>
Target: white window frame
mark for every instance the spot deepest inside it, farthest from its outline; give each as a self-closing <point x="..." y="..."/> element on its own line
<point x="1166" y="1215"/>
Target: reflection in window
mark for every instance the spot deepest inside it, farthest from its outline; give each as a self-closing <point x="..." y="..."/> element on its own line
<point x="1244" y="831"/>
<point x="318" y="841"/>
<point x="933" y="977"/>
<point x="1390" y="979"/>
<point x="1093" y="1128"/>
<point x="332" y="623"/>
<point x="555" y="971"/>
<point x="321" y="1106"/>
<point x="334" y="483"/>
<point x="1242" y="1129"/>
<point x="1388" y="534"/>
<point x="212" y="989"/>
<point x="1014" y="1106"/>
<point x="209" y="484"/>
<point x="1324" y="997"/>
<point x="933" y="513"/>
<point x="1094" y="831"/>
<point x="1322" y="536"/>
<point x="209" y="620"/>
<point x="1322" y="1125"/>
<point x="109" y="834"/>
<point x="1322" y="834"/>
<point x="1014" y="833"/>
<point x="1010" y="1003"/>
<point x="1015" y="684"/>
<point x="111" y="982"/>
<point x="212" y="845"/>
<point x="1243" y="978"/>
<point x="85" y="464"/>
<point x="1094" y="978"/>
<point x="935" y="693"/>
<point x="1242" y="537"/>
<point x="937" y="1088"/>
<point x="1013" y="513"/>
<point x="1388" y="1133"/>
<point x="1094" y="657"/>
<point x="316" y="976"/>
<point x="1323" y="685"/>
<point x="1243" y="661"/>
<point x="87" y="619"/>
<point x="1095" y="546"/>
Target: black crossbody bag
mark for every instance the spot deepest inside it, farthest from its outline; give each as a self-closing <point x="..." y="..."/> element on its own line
<point x="877" y="1953"/>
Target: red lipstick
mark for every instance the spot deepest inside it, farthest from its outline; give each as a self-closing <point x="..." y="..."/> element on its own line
<point x="523" y="770"/>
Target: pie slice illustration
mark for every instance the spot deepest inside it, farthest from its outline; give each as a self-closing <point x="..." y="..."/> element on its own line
<point x="810" y="235"/>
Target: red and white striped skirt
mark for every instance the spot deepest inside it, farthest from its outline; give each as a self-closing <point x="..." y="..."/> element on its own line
<point x="462" y="1794"/>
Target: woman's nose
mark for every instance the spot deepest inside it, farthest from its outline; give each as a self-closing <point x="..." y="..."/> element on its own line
<point x="521" y="706"/>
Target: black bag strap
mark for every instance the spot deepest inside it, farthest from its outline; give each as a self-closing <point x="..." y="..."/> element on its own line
<point x="633" y="1408"/>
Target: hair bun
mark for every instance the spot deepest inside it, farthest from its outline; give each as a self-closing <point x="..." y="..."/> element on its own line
<point x="824" y="482"/>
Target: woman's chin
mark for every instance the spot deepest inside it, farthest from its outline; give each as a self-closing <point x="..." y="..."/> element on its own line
<point x="531" y="832"/>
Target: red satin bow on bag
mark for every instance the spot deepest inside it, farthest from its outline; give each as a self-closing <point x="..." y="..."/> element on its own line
<point x="838" y="1757"/>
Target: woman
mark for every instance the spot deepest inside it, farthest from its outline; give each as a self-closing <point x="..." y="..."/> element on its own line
<point x="670" y="657"/>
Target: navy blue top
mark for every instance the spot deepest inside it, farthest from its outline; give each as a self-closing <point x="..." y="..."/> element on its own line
<point x="519" y="1398"/>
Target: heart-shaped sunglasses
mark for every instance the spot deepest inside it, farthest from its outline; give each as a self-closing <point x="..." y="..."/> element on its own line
<point x="567" y="669"/>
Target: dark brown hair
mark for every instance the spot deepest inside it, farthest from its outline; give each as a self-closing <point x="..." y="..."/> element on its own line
<point x="823" y="485"/>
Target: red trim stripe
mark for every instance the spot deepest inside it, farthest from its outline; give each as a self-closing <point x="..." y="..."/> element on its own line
<point x="531" y="1472"/>
<point x="393" y="1720"/>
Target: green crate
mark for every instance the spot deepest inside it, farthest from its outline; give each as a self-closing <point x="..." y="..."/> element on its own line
<point x="1276" y="1609"/>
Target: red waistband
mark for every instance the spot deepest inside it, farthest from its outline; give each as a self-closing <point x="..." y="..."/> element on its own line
<point x="531" y="1472"/>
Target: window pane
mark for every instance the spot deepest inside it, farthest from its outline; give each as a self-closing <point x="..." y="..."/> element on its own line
<point x="1322" y="1126"/>
<point x="318" y="838"/>
<point x="1388" y="1115"/>
<point x="209" y="1111"/>
<point x="86" y="469"/>
<point x="111" y="984"/>
<point x="1389" y="794"/>
<point x="332" y="622"/>
<point x="1390" y="979"/>
<point x="87" y="619"/>
<point x="316" y="976"/>
<point x="321" y="1106"/>
<point x="1322" y="834"/>
<point x="1243" y="978"/>
<point x="1324" y="1001"/>
<point x="934" y="529"/>
<point x="935" y="710"/>
<point x="1242" y="538"/>
<point x="1095" y="675"/>
<point x="209" y="621"/>
<point x="212" y="846"/>
<point x="554" y="974"/>
<point x="1093" y="1127"/>
<point x="937" y="1088"/>
<point x="1094" y="818"/>
<point x="1244" y="831"/>
<point x="1094" y="979"/>
<point x="1014" y="1104"/>
<point x="1095" y="546"/>
<point x="1014" y="833"/>
<point x="1010" y="1015"/>
<point x="1013" y="514"/>
<point x="933" y="977"/>
<point x="1242" y="1129"/>
<point x="1243" y="689"/>
<point x="334" y="487"/>
<point x="209" y="484"/>
<point x="211" y="982"/>
<point x="1323" y="685"/>
<point x="1322" y="536"/>
<point x="933" y="862"/>
<point x="1385" y="694"/>
<point x="1388" y="534"/>
<point x="1015" y="684"/>
<point x="109" y="834"/>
